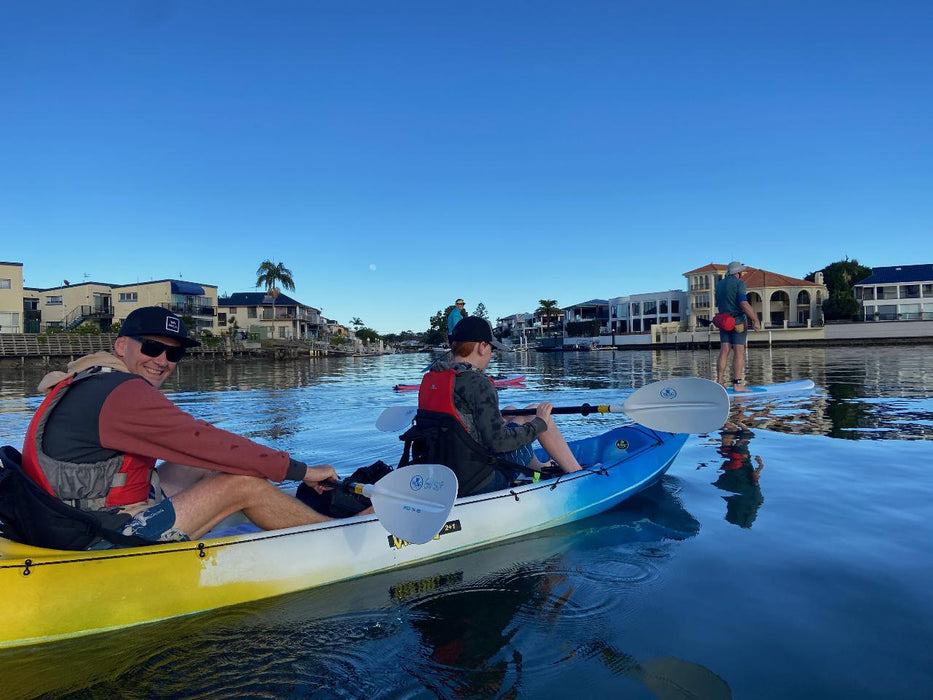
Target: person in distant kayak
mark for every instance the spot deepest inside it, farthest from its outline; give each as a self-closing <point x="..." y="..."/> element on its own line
<point x="459" y="424"/>
<point x="95" y="439"/>
<point x="731" y="298"/>
<point x="457" y="314"/>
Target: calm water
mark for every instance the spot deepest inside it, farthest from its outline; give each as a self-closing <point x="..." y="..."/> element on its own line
<point x="790" y="558"/>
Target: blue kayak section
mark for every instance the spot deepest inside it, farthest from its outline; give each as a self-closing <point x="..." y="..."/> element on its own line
<point x="779" y="388"/>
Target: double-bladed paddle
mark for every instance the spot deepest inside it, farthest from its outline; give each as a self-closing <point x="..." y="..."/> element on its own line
<point x="411" y="502"/>
<point x="680" y="405"/>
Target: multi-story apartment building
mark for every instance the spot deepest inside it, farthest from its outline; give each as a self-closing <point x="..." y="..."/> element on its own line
<point x="898" y="293"/>
<point x="261" y="316"/>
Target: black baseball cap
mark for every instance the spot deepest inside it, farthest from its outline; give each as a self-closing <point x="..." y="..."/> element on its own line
<point x="154" y="320"/>
<point x="476" y="330"/>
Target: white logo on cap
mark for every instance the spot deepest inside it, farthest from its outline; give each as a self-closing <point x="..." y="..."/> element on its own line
<point x="171" y="324"/>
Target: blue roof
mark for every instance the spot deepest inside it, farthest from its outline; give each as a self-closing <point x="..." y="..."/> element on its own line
<point x="899" y="274"/>
<point x="255" y="299"/>
<point x="180" y="287"/>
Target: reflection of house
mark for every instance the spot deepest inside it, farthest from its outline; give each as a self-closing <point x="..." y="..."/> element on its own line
<point x="257" y="314"/>
<point x="780" y="301"/>
<point x="637" y="313"/>
<point x="901" y="293"/>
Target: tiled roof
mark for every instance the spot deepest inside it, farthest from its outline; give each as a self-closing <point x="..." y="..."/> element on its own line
<point x="899" y="273"/>
<point x="757" y="278"/>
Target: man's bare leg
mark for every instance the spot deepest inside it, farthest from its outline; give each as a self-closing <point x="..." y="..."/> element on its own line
<point x="201" y="506"/>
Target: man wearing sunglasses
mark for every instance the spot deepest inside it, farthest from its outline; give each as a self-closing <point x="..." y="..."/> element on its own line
<point x="95" y="440"/>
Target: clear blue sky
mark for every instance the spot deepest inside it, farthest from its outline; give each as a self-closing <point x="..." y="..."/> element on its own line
<point x="397" y="155"/>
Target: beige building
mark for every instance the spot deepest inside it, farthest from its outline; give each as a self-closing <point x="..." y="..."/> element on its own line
<point x="69" y="306"/>
<point x="11" y="297"/>
<point x="779" y="301"/>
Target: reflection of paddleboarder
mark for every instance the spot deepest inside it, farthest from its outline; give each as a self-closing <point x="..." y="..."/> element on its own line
<point x="739" y="476"/>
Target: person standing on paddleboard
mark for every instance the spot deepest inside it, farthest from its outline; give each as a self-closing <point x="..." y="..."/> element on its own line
<point x="456" y="314"/>
<point x="732" y="304"/>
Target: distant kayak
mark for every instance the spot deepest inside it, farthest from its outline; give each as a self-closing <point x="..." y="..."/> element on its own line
<point x="500" y="382"/>
<point x="779" y="388"/>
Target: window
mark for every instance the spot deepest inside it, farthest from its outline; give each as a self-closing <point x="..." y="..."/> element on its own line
<point x="868" y="293"/>
<point x="887" y="292"/>
<point x="675" y="306"/>
<point x="129" y="297"/>
<point x="910" y="312"/>
<point x="221" y="319"/>
<point x="651" y="308"/>
<point x="6" y="283"/>
<point x="887" y="312"/>
<point x="251" y="312"/>
<point x="910" y="291"/>
<point x="55" y="300"/>
<point x="636" y="308"/>
<point x="928" y="290"/>
<point x="663" y="306"/>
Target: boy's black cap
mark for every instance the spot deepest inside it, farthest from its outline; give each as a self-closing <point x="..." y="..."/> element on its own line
<point x="474" y="329"/>
<point x="154" y="320"/>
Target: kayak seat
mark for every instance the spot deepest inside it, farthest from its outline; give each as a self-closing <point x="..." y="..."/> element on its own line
<point x="30" y="515"/>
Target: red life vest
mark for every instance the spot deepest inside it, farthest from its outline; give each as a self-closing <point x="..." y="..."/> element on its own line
<point x="117" y="481"/>
<point x="440" y="436"/>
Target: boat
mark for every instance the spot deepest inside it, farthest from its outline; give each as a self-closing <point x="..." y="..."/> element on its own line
<point x="54" y="595"/>
<point x="501" y="382"/>
<point x="771" y="389"/>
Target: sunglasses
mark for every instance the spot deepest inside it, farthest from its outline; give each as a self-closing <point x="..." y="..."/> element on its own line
<point x="153" y="348"/>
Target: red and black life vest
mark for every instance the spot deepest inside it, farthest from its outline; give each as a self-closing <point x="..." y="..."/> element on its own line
<point x="116" y="481"/>
<point x="439" y="436"/>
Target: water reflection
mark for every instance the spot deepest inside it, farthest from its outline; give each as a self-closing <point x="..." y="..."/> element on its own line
<point x="530" y="613"/>
<point x="740" y="472"/>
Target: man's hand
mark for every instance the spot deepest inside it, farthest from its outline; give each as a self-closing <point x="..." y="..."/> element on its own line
<point x="317" y="474"/>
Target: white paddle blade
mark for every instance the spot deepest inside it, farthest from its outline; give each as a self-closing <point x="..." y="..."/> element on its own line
<point x="681" y="405"/>
<point x="395" y="418"/>
<point x="413" y="502"/>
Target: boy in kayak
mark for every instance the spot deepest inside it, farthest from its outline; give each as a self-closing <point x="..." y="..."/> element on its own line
<point x="731" y="299"/>
<point x="95" y="439"/>
<point x="459" y="424"/>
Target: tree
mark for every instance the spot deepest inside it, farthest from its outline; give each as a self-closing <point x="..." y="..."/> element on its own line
<point x="481" y="311"/>
<point x="548" y="311"/>
<point x="270" y="274"/>
<point x="839" y="278"/>
<point x="437" y="327"/>
<point x="367" y="335"/>
<point x="357" y="323"/>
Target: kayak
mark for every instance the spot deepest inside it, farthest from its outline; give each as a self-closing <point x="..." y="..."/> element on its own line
<point x="51" y="595"/>
<point x="500" y="382"/>
<point x="769" y="389"/>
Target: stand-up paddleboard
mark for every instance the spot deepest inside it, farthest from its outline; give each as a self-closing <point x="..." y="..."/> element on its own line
<point x="769" y="389"/>
<point x="500" y="383"/>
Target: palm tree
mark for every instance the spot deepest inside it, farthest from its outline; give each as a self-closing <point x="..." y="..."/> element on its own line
<point x="547" y="311"/>
<point x="269" y="275"/>
<point x="357" y="323"/>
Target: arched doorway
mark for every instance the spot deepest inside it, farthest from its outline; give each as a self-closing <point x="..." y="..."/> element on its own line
<point x="780" y="308"/>
<point x="803" y="307"/>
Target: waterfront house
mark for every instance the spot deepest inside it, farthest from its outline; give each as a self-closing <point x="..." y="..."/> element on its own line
<point x="69" y="306"/>
<point x="780" y="301"/>
<point x="261" y="317"/>
<point x="899" y="293"/>
<point x="637" y="313"/>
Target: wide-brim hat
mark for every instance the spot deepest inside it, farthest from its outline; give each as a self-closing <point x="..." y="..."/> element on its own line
<point x="154" y="320"/>
<point x="476" y="330"/>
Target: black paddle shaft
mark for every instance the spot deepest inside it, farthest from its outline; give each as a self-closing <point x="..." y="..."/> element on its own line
<point x="583" y="410"/>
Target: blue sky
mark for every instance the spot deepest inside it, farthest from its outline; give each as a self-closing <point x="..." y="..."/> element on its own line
<point x="397" y="155"/>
